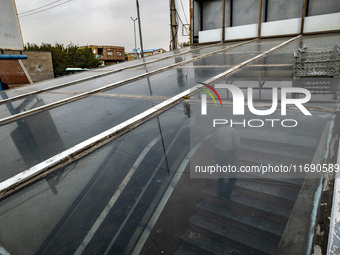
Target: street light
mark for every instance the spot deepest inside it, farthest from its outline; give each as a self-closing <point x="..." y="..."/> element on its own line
<point x="134" y="28"/>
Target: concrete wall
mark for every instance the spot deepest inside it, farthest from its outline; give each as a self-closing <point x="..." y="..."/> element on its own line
<point x="317" y="7"/>
<point x="39" y="65"/>
<point x="227" y="13"/>
<point x="212" y="14"/>
<point x="197" y="17"/>
<point x="245" y="12"/>
<point x="284" y="9"/>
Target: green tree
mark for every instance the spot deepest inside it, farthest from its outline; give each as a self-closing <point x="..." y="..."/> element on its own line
<point x="64" y="57"/>
<point x="81" y="57"/>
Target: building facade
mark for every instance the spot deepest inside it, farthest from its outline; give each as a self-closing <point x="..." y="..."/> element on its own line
<point x="147" y="52"/>
<point x="226" y="20"/>
<point x="109" y="54"/>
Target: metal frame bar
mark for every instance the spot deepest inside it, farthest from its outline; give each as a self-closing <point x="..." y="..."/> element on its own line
<point x="201" y="13"/>
<point x="231" y="13"/>
<point x="191" y="4"/>
<point x="260" y="20"/>
<point x="12" y="57"/>
<point x="116" y="84"/>
<point x="303" y="16"/>
<point x="223" y="20"/>
<point x="140" y="30"/>
<point x="84" y="148"/>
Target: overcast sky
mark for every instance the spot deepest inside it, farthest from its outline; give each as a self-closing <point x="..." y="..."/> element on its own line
<point x="100" y="22"/>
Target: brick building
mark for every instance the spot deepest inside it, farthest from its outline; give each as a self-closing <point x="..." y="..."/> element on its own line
<point x="37" y="67"/>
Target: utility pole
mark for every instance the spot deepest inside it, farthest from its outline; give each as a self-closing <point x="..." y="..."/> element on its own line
<point x="134" y="28"/>
<point x="140" y="30"/>
<point x="173" y="25"/>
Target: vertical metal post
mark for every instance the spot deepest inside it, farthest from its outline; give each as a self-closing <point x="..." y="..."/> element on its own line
<point x="266" y="11"/>
<point x="231" y="13"/>
<point x="303" y="16"/>
<point x="201" y="16"/>
<point x="140" y="30"/>
<point x="174" y="26"/>
<point x="223" y="20"/>
<point x="260" y="20"/>
<point x="134" y="28"/>
<point x="191" y="2"/>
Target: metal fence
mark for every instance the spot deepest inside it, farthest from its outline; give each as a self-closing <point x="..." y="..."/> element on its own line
<point x="317" y="62"/>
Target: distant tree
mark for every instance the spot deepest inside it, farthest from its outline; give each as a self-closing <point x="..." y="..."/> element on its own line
<point x="59" y="57"/>
<point x="32" y="46"/>
<point x="81" y="57"/>
<point x="64" y="57"/>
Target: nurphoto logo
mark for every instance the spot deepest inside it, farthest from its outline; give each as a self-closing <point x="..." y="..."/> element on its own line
<point x="239" y="105"/>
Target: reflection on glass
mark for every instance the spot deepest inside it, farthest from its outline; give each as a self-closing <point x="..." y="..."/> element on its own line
<point x="137" y="194"/>
<point x="35" y="138"/>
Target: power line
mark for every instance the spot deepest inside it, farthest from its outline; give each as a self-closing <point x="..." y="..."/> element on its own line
<point x="29" y="14"/>
<point x="185" y="16"/>
<point x="179" y="20"/>
<point x="184" y="26"/>
<point x="179" y="17"/>
<point x="39" y="7"/>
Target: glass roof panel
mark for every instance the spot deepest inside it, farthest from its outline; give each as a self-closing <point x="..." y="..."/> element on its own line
<point x="30" y="140"/>
<point x="164" y="187"/>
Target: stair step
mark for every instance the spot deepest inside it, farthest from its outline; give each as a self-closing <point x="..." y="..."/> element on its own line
<point x="205" y="245"/>
<point x="274" y="152"/>
<point x="257" y="167"/>
<point x="233" y="236"/>
<point x="252" y="158"/>
<point x="284" y="183"/>
<point x="280" y="138"/>
<point x="269" y="191"/>
<point x="304" y="151"/>
<point x="245" y="160"/>
<point x="250" y="223"/>
<point x="239" y="202"/>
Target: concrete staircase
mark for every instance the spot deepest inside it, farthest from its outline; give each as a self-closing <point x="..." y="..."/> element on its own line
<point x="253" y="220"/>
